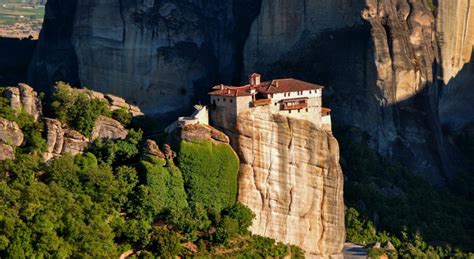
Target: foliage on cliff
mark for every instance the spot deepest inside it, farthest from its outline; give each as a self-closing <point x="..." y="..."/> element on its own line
<point x="32" y="130"/>
<point x="210" y="173"/>
<point x="77" y="109"/>
<point x="403" y="204"/>
<point x="113" y="199"/>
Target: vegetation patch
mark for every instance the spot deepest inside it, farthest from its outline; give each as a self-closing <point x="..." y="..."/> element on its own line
<point x="77" y="109"/>
<point x="210" y="173"/>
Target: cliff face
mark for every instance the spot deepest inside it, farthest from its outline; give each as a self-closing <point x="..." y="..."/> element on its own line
<point x="380" y="60"/>
<point x="291" y="179"/>
<point x="160" y="55"/>
<point x="455" y="31"/>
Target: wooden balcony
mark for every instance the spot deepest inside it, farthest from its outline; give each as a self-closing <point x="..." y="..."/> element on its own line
<point x="295" y="104"/>
<point x="261" y="102"/>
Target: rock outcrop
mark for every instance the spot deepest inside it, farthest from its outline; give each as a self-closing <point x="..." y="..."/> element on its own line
<point x="10" y="136"/>
<point x="151" y="148"/>
<point x="199" y="132"/>
<point x="291" y="179"/>
<point x="114" y="102"/>
<point x="107" y="128"/>
<point x="24" y="98"/>
<point x="62" y="140"/>
<point x="10" y="133"/>
<point x="6" y="152"/>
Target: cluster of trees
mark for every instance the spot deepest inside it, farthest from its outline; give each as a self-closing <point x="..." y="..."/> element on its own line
<point x="79" y="111"/>
<point x="113" y="199"/>
<point x="405" y="205"/>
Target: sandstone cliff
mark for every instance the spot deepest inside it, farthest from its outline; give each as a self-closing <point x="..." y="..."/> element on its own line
<point x="148" y="52"/>
<point x="455" y="33"/>
<point x="291" y="178"/>
<point x="380" y="60"/>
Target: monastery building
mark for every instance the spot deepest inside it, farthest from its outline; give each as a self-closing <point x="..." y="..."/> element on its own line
<point x="289" y="97"/>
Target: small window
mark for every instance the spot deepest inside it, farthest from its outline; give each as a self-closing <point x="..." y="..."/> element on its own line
<point x="306" y="109"/>
<point x="289" y="94"/>
<point x="276" y="104"/>
<point x="289" y="111"/>
<point x="231" y="100"/>
<point x="309" y="92"/>
<point x="299" y="110"/>
<point x="223" y="99"/>
<point x="218" y="99"/>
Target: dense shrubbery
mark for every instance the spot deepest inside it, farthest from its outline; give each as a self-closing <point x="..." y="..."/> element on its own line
<point x="77" y="109"/>
<point x="210" y="173"/>
<point x="402" y="203"/>
<point x="111" y="199"/>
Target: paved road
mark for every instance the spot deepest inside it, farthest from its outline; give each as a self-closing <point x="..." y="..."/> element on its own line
<point x="354" y="251"/>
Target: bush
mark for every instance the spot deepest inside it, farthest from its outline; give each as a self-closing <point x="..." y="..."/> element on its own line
<point x="117" y="152"/>
<point x="243" y="216"/>
<point x="161" y="189"/>
<point x="210" y="173"/>
<point x="77" y="109"/>
<point x="165" y="243"/>
<point x="122" y="116"/>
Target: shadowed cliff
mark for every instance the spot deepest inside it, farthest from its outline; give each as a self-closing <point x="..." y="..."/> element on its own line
<point x="380" y="60"/>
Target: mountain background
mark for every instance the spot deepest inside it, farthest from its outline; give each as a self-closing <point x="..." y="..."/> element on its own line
<point x="397" y="73"/>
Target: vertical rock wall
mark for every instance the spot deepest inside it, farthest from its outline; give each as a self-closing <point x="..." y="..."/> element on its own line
<point x="159" y="55"/>
<point x="455" y="32"/>
<point x="291" y="179"/>
<point x="377" y="61"/>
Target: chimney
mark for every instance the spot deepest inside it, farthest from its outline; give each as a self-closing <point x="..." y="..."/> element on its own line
<point x="254" y="79"/>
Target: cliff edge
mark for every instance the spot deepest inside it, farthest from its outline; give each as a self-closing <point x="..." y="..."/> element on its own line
<point x="291" y="179"/>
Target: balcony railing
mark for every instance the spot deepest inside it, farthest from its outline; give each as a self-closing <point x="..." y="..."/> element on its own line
<point x="295" y="105"/>
<point x="262" y="102"/>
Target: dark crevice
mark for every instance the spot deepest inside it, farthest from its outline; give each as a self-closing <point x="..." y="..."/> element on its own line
<point x="245" y="13"/>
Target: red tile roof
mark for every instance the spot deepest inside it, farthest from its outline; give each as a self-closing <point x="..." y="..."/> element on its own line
<point x="230" y="91"/>
<point x="269" y="87"/>
<point x="286" y="85"/>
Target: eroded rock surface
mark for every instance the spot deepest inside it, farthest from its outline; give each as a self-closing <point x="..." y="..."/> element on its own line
<point x="151" y="148"/>
<point x="199" y="132"/>
<point x="455" y="31"/>
<point x="291" y="179"/>
<point x="396" y="71"/>
<point x="149" y="52"/>
<point x="61" y="140"/>
<point x="6" y="152"/>
<point x="10" y="133"/>
<point x="108" y="129"/>
<point x="378" y="62"/>
<point x="24" y="98"/>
